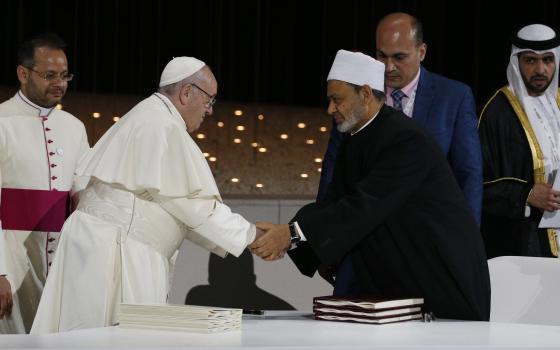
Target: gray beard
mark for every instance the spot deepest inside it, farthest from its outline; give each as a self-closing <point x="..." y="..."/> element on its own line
<point x="348" y="124"/>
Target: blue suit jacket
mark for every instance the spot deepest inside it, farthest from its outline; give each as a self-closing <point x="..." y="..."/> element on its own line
<point x="446" y="109"/>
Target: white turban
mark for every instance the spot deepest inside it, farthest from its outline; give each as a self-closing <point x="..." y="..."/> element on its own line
<point x="358" y="69"/>
<point x="180" y="68"/>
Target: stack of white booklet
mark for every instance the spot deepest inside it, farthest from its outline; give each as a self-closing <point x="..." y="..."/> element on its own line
<point x="180" y="317"/>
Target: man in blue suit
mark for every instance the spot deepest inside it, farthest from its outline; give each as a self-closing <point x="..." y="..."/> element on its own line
<point x="443" y="106"/>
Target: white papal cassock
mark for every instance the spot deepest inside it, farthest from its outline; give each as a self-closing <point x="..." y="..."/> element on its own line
<point x="150" y="188"/>
<point x="39" y="152"/>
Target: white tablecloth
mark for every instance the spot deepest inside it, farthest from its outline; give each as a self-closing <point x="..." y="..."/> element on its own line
<point x="294" y="330"/>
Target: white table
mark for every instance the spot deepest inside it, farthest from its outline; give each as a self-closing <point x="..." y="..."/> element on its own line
<point x="293" y="330"/>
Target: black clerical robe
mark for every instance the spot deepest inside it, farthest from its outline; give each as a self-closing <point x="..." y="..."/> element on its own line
<point x="395" y="209"/>
<point x="513" y="162"/>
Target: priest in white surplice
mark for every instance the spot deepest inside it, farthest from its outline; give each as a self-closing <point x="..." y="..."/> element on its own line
<point x="39" y="150"/>
<point x="150" y="188"/>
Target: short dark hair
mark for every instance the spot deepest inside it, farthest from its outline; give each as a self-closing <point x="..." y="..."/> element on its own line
<point x="26" y="52"/>
<point x="418" y="29"/>
<point x="379" y="95"/>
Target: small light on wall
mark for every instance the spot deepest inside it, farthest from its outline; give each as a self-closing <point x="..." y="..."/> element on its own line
<point x="301" y="125"/>
<point x="59" y="106"/>
<point x="255" y="144"/>
<point x="200" y="136"/>
<point x="318" y="160"/>
<point x="260" y="117"/>
<point x="259" y="185"/>
<point x="309" y="142"/>
<point x="116" y="119"/>
<point x="206" y="154"/>
<point x="220" y="124"/>
<point x="304" y="175"/>
<point x="94" y="114"/>
<point x="240" y="128"/>
<point x="237" y="140"/>
<point x="323" y="129"/>
<point x="319" y="169"/>
<point x="262" y="149"/>
<point x="284" y="136"/>
<point x="234" y="179"/>
<point x="238" y="112"/>
<point x="212" y="159"/>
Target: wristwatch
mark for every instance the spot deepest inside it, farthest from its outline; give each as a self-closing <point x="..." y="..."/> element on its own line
<point x="294" y="236"/>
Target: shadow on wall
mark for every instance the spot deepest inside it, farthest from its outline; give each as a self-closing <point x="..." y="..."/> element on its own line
<point x="232" y="283"/>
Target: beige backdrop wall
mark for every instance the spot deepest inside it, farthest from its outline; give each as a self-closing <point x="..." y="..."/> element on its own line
<point x="280" y="278"/>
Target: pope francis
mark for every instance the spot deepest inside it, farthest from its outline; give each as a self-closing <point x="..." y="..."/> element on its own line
<point x="150" y="187"/>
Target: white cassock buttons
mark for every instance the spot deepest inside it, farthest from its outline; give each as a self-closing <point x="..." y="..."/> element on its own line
<point x="60" y="151"/>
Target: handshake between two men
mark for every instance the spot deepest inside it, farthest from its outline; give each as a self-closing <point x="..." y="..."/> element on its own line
<point x="272" y="241"/>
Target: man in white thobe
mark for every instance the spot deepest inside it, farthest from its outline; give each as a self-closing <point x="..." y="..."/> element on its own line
<point x="150" y="188"/>
<point x="39" y="150"/>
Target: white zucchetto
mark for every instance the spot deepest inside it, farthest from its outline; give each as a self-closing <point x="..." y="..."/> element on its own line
<point x="180" y="68"/>
<point x="358" y="69"/>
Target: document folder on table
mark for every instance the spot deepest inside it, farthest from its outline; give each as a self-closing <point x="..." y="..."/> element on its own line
<point x="373" y="320"/>
<point x="179" y="317"/>
<point x="367" y="310"/>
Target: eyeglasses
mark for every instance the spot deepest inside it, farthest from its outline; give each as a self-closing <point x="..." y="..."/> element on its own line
<point x="211" y="99"/>
<point x="52" y="76"/>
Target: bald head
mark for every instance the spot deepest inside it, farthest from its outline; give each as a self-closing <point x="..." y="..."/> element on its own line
<point x="402" y="23"/>
<point x="399" y="44"/>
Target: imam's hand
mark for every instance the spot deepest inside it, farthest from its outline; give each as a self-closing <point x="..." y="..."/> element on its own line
<point x="274" y="243"/>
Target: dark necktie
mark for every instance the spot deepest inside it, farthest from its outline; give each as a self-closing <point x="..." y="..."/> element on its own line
<point x="397" y="96"/>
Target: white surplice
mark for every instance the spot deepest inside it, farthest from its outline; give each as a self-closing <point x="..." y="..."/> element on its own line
<point x="150" y="188"/>
<point x="39" y="150"/>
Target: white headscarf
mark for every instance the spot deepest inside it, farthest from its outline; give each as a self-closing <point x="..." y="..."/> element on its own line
<point x="542" y="111"/>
